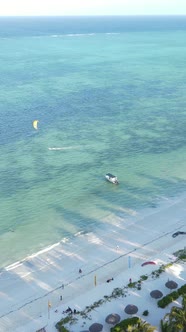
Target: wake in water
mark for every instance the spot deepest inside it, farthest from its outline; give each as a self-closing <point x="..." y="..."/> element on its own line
<point x="65" y="148"/>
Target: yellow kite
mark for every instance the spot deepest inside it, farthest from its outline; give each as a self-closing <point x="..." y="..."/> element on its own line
<point x="35" y="124"/>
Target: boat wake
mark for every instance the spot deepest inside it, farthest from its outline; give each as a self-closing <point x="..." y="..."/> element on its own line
<point x="65" y="148"/>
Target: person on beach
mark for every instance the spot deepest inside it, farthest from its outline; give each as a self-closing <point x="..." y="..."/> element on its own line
<point x="68" y="310"/>
<point x="109" y="280"/>
<point x="80" y="270"/>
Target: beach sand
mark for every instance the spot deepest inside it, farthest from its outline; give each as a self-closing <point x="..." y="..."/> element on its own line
<point x="28" y="287"/>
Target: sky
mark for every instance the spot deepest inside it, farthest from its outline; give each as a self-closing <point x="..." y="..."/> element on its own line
<point x="91" y="7"/>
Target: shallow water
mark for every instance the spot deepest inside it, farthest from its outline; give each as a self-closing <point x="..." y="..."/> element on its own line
<point x="112" y="102"/>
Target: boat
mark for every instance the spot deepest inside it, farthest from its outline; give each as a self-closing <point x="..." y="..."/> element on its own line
<point x="111" y="178"/>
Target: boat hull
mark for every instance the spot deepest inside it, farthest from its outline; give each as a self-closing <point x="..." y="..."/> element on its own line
<point x="111" y="178"/>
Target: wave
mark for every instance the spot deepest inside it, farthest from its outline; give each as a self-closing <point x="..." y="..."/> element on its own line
<point x="19" y="263"/>
<point x="82" y="34"/>
<point x="75" y="35"/>
<point x="46" y="256"/>
<point x="40" y="259"/>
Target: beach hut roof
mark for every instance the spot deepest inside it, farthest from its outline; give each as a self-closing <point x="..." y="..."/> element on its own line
<point x="131" y="309"/>
<point x="112" y="319"/>
<point x="171" y="284"/>
<point x="156" y="294"/>
<point x="96" y="327"/>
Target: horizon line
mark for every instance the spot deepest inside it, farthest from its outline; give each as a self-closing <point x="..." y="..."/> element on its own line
<point x="93" y="15"/>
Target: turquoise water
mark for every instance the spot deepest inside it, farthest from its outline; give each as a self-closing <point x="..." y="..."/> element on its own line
<point x="112" y="97"/>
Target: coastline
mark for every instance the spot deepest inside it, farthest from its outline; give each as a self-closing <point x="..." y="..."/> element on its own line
<point x="129" y="216"/>
<point x="27" y="286"/>
<point x="58" y="214"/>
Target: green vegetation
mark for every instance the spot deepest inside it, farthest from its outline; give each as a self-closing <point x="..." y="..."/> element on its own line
<point x="124" y="324"/>
<point x="181" y="254"/>
<point x="145" y="313"/>
<point x="175" y="321"/>
<point x="68" y="319"/>
<point x="143" y="277"/>
<point x="134" y="324"/>
<point x="61" y="328"/>
<point x="171" y="297"/>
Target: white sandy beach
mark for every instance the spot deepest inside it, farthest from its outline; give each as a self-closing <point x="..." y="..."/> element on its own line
<point x="118" y="252"/>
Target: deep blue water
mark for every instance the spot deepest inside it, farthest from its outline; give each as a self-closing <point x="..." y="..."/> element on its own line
<point x="42" y="26"/>
<point x="108" y="91"/>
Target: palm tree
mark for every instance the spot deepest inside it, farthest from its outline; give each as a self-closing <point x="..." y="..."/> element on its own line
<point x="177" y="318"/>
<point x="165" y="326"/>
<point x="141" y="326"/>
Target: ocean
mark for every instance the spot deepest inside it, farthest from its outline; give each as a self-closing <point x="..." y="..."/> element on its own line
<point x="109" y="95"/>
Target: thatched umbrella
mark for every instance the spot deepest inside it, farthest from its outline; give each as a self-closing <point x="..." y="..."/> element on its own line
<point x="131" y="309"/>
<point x="171" y="284"/>
<point x="112" y="319"/>
<point x="156" y="294"/>
<point x="96" y="327"/>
